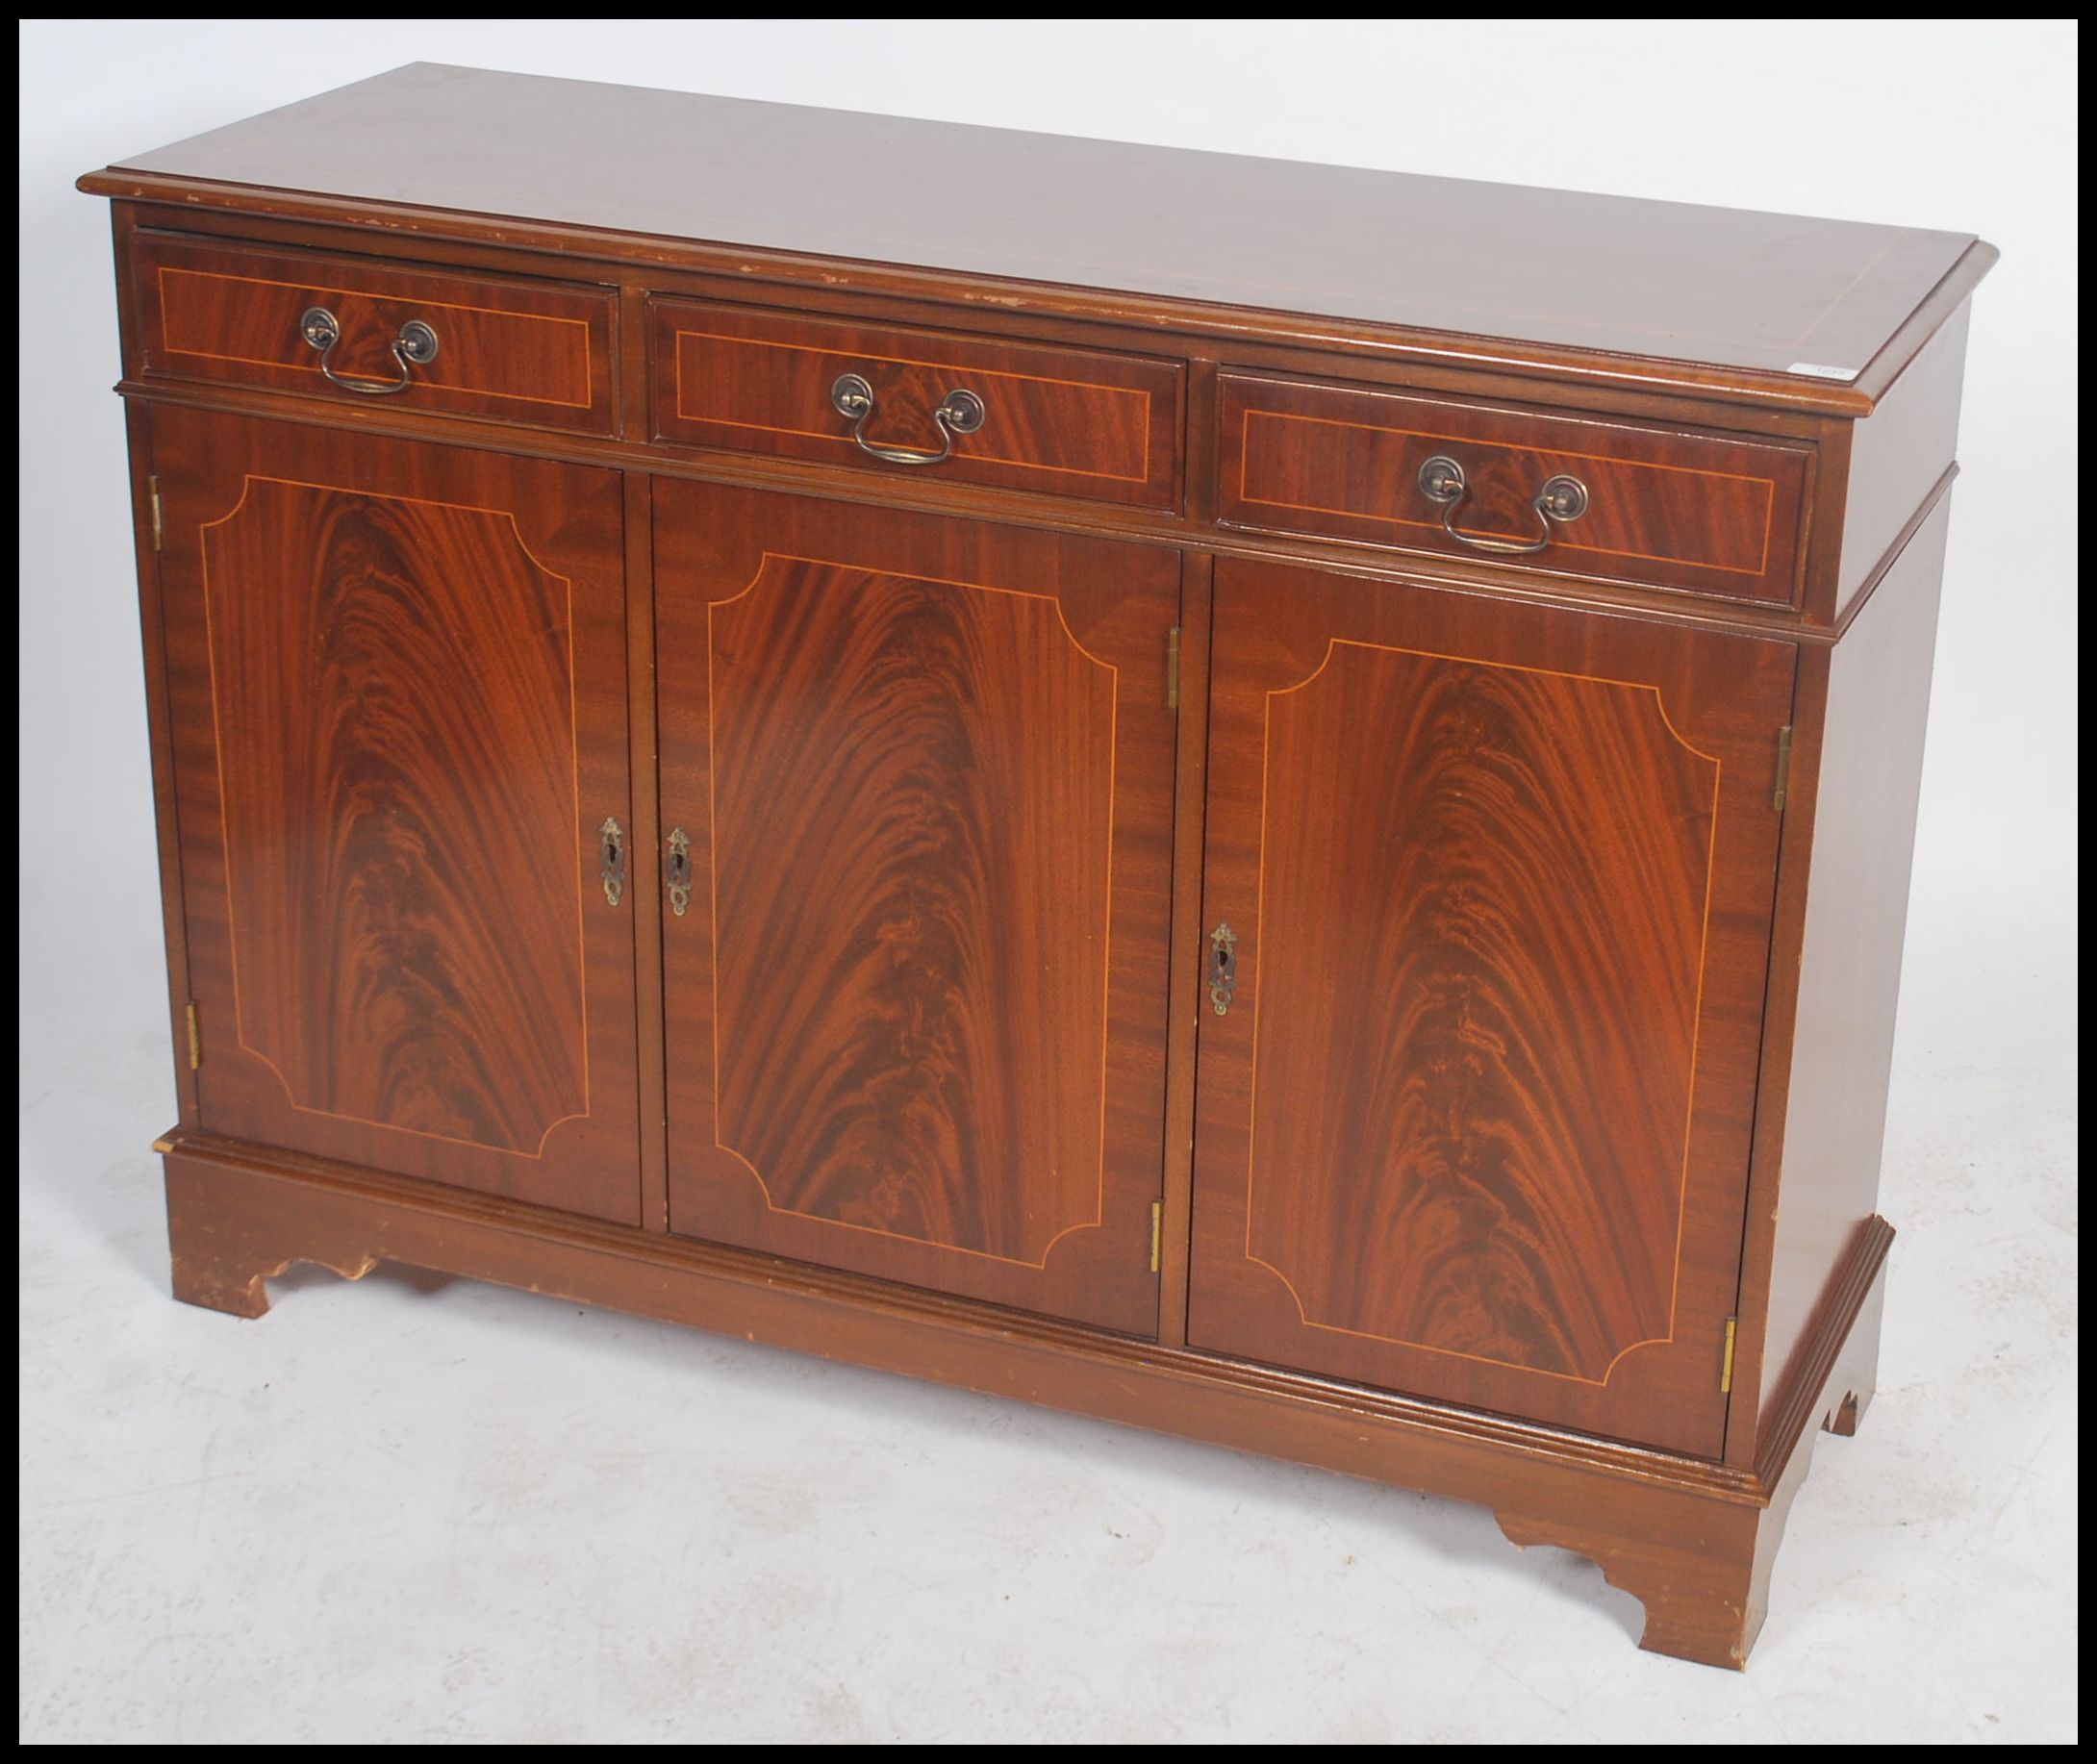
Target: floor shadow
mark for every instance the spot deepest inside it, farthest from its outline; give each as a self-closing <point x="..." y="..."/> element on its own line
<point x="397" y="1276"/>
<point x="952" y="1420"/>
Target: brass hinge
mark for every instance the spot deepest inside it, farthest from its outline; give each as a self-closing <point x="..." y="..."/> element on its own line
<point x="1172" y="668"/>
<point x="1726" y="1371"/>
<point x="153" y="496"/>
<point x="1784" y="764"/>
<point x="1157" y="1219"/>
<point x="196" y="1044"/>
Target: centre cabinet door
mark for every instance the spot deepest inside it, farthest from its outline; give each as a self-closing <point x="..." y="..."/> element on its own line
<point x="397" y="686"/>
<point x="917" y="775"/>
<point x="1475" y="1087"/>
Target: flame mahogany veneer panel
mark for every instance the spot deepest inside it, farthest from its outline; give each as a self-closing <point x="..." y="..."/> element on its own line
<point x="399" y="673"/>
<point x="916" y="1006"/>
<point x="1477" y="1123"/>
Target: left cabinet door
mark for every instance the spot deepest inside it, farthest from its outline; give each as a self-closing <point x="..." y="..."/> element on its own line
<point x="397" y="675"/>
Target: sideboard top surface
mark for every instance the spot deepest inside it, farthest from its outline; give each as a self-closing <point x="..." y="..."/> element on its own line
<point x="1717" y="288"/>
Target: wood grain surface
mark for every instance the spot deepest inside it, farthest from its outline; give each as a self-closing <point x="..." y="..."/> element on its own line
<point x="1475" y="1125"/>
<point x="399" y="704"/>
<point x="1899" y="454"/>
<point x="1441" y="904"/>
<point x="1073" y="423"/>
<point x="1861" y="792"/>
<point x="916" y="1006"/>
<point x="1673" y="508"/>
<point x="1468" y="1185"/>
<point x="1667" y="280"/>
<point x="538" y="353"/>
<point x="436" y="803"/>
<point x="167" y="847"/>
<point x="1693" y="1543"/>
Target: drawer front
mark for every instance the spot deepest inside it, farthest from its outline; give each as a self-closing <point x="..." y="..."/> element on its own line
<point x="1066" y="422"/>
<point x="526" y="352"/>
<point x="1715" y="515"/>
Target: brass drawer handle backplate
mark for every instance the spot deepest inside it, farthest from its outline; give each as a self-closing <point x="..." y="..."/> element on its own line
<point x="414" y="347"/>
<point x="960" y="412"/>
<point x="1561" y="499"/>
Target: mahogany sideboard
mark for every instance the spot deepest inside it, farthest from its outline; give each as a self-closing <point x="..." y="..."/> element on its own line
<point x="1258" y="799"/>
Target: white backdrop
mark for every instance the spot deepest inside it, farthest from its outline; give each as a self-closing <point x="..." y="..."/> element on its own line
<point x="1968" y="127"/>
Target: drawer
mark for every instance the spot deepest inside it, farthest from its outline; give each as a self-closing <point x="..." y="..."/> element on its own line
<point x="520" y="351"/>
<point x="1717" y="514"/>
<point x="1066" y="422"/>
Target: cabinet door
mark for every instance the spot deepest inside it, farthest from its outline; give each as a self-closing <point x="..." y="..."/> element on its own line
<point x="1475" y="1125"/>
<point x="399" y="681"/>
<point x="916" y="996"/>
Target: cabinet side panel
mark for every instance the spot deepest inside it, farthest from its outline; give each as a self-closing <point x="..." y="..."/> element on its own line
<point x="153" y="644"/>
<point x="1849" y="958"/>
<point x="1899" y="453"/>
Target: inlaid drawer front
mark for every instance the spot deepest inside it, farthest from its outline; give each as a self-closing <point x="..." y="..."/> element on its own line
<point x="973" y="409"/>
<point x="1668" y="508"/>
<point x="362" y="332"/>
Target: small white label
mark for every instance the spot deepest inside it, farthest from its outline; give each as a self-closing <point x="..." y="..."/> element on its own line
<point x="1820" y="371"/>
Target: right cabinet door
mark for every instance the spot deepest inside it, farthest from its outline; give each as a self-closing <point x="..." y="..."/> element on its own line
<point x="1476" y="1085"/>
